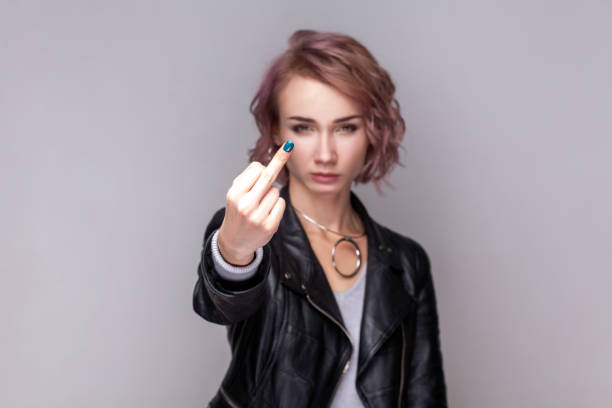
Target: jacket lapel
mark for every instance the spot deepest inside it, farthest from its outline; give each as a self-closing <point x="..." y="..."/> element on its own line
<point x="305" y="272"/>
<point x="386" y="300"/>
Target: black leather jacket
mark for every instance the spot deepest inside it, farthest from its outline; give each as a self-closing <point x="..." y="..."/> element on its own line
<point x="289" y="345"/>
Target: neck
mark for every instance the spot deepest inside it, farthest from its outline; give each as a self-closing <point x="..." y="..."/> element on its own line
<point x="332" y="210"/>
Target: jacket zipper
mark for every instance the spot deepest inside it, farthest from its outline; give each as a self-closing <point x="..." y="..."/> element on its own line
<point x="228" y="399"/>
<point x="346" y="366"/>
<point x="399" y="399"/>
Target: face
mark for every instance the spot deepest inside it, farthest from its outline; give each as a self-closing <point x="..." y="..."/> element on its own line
<point x="328" y="133"/>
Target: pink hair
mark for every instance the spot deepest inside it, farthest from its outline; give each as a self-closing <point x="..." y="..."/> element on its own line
<point x="345" y="64"/>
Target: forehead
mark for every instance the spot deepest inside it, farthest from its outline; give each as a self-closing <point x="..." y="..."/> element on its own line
<point x="308" y="97"/>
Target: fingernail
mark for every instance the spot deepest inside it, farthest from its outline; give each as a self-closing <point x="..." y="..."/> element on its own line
<point x="288" y="146"/>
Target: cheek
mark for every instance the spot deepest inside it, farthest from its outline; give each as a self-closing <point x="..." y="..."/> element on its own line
<point x="360" y="156"/>
<point x="296" y="161"/>
<point x="302" y="152"/>
<point x="356" y="150"/>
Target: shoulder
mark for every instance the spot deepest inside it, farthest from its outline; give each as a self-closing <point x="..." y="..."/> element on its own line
<point x="409" y="254"/>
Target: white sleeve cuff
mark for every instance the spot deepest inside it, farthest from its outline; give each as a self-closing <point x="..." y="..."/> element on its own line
<point x="231" y="272"/>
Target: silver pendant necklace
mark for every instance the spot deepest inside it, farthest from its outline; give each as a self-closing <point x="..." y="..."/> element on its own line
<point x="348" y="238"/>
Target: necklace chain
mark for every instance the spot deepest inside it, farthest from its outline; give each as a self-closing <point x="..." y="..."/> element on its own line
<point x="324" y="227"/>
<point x="348" y="238"/>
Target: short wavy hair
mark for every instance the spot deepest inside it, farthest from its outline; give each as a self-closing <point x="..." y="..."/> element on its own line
<point x="345" y="64"/>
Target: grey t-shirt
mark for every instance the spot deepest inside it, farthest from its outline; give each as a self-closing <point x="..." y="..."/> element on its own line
<point x="351" y="306"/>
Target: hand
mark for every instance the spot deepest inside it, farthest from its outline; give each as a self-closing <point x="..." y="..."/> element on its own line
<point x="253" y="210"/>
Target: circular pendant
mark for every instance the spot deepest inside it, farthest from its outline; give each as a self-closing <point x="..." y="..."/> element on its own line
<point x="357" y="252"/>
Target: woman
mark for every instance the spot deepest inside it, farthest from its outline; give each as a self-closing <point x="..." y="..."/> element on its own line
<point x="323" y="305"/>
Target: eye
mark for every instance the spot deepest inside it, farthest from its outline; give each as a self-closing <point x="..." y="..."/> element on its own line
<point x="299" y="128"/>
<point x="348" y="128"/>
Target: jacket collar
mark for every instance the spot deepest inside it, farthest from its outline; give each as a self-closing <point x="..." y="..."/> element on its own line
<point x="387" y="299"/>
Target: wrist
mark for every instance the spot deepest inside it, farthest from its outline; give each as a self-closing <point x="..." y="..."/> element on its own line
<point x="231" y="257"/>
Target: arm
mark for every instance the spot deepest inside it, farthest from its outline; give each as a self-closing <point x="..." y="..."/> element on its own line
<point x="426" y="384"/>
<point x="224" y="301"/>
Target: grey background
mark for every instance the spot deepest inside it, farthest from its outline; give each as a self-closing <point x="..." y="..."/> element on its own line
<point x="123" y="124"/>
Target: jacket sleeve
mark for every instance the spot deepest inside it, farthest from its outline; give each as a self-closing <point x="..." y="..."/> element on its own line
<point x="426" y="383"/>
<point x="223" y="301"/>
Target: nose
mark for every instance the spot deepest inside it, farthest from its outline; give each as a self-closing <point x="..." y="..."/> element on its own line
<point x="326" y="149"/>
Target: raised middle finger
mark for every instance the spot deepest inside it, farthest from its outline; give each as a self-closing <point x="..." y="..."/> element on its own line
<point x="270" y="172"/>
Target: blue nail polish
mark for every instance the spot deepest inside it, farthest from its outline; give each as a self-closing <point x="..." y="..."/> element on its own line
<point x="288" y="146"/>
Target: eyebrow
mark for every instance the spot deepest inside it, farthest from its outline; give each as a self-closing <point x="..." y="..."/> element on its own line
<point x="309" y="120"/>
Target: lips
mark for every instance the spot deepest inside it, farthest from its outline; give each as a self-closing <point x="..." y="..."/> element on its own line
<point x="324" y="177"/>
